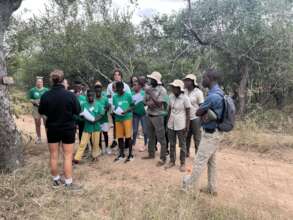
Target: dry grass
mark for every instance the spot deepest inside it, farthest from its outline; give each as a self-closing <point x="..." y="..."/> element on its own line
<point x="26" y="194"/>
<point x="265" y="132"/>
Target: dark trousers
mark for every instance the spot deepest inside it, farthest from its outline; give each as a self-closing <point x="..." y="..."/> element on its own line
<point x="80" y="125"/>
<point x="195" y="131"/>
<point x="106" y="139"/>
<point x="156" y="131"/>
<point x="182" y="144"/>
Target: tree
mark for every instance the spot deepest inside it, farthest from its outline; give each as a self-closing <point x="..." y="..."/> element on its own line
<point x="11" y="152"/>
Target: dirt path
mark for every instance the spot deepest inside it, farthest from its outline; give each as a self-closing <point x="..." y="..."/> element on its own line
<point x="244" y="179"/>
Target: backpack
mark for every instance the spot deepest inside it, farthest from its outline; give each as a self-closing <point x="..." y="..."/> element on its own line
<point x="227" y="121"/>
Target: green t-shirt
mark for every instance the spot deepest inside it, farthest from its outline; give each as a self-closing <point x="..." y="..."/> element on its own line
<point x="36" y="94"/>
<point x="124" y="102"/>
<point x="139" y="107"/>
<point x="95" y="109"/>
<point x="103" y="101"/>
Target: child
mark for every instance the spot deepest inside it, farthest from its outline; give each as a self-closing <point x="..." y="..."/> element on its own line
<point x="91" y="128"/>
<point x="139" y="113"/>
<point x="104" y="122"/>
<point x="122" y="103"/>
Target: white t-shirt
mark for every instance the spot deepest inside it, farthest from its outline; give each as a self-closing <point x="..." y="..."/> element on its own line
<point x="196" y="98"/>
<point x="178" y="105"/>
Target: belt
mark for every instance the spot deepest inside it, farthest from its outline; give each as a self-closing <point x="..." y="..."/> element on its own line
<point x="152" y="116"/>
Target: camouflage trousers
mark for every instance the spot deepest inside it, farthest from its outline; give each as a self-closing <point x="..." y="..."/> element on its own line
<point x="205" y="157"/>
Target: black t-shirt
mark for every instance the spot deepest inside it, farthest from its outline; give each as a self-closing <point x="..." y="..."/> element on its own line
<point x="60" y="107"/>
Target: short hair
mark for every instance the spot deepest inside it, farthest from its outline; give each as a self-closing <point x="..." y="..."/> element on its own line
<point x="119" y="85"/>
<point x="213" y="74"/>
<point x="57" y="76"/>
<point x="90" y="92"/>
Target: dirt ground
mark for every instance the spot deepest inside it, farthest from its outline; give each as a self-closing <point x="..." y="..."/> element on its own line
<point x="246" y="181"/>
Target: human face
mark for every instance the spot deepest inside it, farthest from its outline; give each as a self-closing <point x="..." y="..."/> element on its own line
<point x="39" y="83"/>
<point x="206" y="82"/>
<point x="119" y="90"/>
<point x="65" y="83"/>
<point x="188" y="83"/>
<point x="90" y="97"/>
<point x="117" y="77"/>
<point x="98" y="91"/>
<point x="153" y="82"/>
<point x="176" y="90"/>
<point x="136" y="86"/>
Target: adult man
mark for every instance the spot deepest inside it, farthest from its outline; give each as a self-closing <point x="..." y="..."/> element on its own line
<point x="60" y="106"/>
<point x="196" y="98"/>
<point x="154" y="100"/>
<point x="35" y="95"/>
<point x="210" y="112"/>
<point x="117" y="77"/>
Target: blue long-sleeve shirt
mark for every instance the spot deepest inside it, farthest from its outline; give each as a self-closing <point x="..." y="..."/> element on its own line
<point x="214" y="101"/>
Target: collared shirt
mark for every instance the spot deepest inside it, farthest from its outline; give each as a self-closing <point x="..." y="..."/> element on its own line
<point x="178" y="106"/>
<point x="196" y="98"/>
<point x="160" y="94"/>
<point x="214" y="102"/>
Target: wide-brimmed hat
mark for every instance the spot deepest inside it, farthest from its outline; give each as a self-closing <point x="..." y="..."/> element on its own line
<point x="178" y="83"/>
<point x="191" y="77"/>
<point x="156" y="76"/>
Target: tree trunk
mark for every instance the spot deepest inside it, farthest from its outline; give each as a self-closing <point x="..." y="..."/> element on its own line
<point x="11" y="148"/>
<point x="242" y="91"/>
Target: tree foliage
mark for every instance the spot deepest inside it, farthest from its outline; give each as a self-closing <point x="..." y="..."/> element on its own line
<point x="250" y="42"/>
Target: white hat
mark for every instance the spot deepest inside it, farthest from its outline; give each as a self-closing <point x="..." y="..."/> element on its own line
<point x="178" y="83"/>
<point x="191" y="77"/>
<point x="156" y="76"/>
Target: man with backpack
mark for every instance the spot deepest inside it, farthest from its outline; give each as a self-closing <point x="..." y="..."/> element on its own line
<point x="217" y="113"/>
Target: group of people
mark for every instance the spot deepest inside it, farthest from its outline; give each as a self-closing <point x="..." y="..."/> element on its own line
<point x="164" y="118"/>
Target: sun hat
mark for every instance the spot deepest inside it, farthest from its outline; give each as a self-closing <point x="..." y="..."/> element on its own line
<point x="156" y="76"/>
<point x="192" y="77"/>
<point x="178" y="83"/>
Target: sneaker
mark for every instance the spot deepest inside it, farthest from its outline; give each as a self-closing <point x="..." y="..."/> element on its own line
<point x="57" y="184"/>
<point x="129" y="158"/>
<point x="73" y="187"/>
<point x="170" y="165"/>
<point x="161" y="163"/>
<point x="119" y="158"/>
<point x="114" y="144"/>
<point x="182" y="168"/>
<point x="108" y="151"/>
<point x="148" y="157"/>
<point x="38" y="140"/>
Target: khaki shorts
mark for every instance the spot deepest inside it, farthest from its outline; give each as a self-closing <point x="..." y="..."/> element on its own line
<point x="35" y="113"/>
<point x="123" y="129"/>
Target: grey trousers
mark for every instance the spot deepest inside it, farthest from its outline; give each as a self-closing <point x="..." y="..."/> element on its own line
<point x="206" y="156"/>
<point x="156" y="131"/>
<point x="195" y="131"/>
<point x="172" y="135"/>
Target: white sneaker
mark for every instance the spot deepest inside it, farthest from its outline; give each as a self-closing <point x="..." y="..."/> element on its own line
<point x="108" y="151"/>
<point x="38" y="140"/>
<point x="104" y="151"/>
